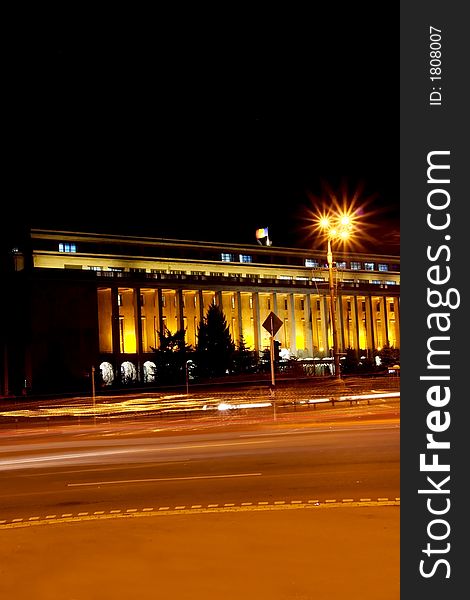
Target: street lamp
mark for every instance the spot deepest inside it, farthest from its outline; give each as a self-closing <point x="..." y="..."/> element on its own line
<point x="335" y="227"/>
<point x="188" y="362"/>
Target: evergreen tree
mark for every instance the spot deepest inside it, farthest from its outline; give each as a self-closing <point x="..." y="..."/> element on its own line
<point x="170" y="358"/>
<point x="244" y="360"/>
<point x="215" y="346"/>
<point x="389" y="355"/>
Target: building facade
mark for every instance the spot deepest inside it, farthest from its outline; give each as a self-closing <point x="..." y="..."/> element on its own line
<point x="82" y="299"/>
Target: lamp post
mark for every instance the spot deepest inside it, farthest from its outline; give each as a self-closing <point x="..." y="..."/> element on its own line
<point x="334" y="329"/>
<point x="188" y="362"/>
<point x="336" y="227"/>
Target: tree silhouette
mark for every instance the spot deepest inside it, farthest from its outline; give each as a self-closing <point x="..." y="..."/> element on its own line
<point x="215" y="346"/>
<point x="170" y="358"/>
<point x="244" y="360"/>
<point x="389" y="355"/>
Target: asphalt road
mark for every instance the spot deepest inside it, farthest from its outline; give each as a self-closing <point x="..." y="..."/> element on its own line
<point x="125" y="469"/>
<point x="304" y="507"/>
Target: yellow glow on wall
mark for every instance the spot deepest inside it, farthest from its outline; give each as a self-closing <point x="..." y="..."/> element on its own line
<point x="299" y="339"/>
<point x="130" y="343"/>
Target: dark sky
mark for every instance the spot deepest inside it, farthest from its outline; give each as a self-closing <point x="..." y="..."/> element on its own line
<point x="208" y="133"/>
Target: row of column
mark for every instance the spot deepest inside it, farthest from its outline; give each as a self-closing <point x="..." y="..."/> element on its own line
<point x="130" y="318"/>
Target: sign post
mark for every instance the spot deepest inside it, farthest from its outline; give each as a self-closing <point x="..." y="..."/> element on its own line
<point x="272" y="324"/>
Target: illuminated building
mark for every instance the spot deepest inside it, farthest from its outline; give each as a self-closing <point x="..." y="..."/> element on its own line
<point x="85" y="299"/>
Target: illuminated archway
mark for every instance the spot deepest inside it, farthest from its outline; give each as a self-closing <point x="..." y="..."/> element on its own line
<point x="107" y="373"/>
<point x="128" y="372"/>
<point x="149" y="371"/>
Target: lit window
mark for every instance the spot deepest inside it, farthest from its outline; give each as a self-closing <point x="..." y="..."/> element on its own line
<point x="226" y="257"/>
<point x="391" y="282"/>
<point x="246" y="258"/>
<point x="355" y="266"/>
<point x="341" y="265"/>
<point x="310" y="262"/>
<point x="66" y="247"/>
<point x="383" y="267"/>
<point x="369" y="266"/>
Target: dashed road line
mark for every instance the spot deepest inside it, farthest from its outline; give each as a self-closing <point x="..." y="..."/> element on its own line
<point x="20" y="522"/>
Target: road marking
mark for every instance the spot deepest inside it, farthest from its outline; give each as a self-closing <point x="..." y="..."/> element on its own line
<point x="178" y="510"/>
<point x="120" y="481"/>
<point x="196" y="506"/>
<point x="66" y="515"/>
<point x="365" y="500"/>
<point x="212" y="505"/>
<point x="147" y="509"/>
<point x="348" y="500"/>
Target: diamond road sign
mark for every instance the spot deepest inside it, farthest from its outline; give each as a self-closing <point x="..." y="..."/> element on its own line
<point x="272" y="323"/>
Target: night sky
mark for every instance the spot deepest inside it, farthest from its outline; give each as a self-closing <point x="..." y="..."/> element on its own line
<point x="207" y="134"/>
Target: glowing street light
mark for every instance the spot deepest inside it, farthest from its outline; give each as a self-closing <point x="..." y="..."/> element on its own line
<point x="335" y="227"/>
